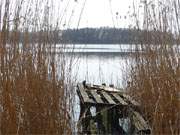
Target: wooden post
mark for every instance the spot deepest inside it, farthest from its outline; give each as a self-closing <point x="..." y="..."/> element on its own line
<point x="99" y="119"/>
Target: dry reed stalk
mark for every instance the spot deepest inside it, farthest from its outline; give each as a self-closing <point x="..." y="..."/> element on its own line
<point x="33" y="96"/>
<point x="155" y="75"/>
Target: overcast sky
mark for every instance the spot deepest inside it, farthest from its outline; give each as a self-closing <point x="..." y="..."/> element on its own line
<point x="79" y="13"/>
<point x="97" y="13"/>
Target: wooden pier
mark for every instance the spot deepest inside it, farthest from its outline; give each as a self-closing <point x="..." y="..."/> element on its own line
<point x="115" y="111"/>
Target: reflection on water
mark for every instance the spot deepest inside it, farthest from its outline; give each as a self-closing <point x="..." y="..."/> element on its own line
<point x="100" y="69"/>
<point x="97" y="48"/>
<point x="99" y="63"/>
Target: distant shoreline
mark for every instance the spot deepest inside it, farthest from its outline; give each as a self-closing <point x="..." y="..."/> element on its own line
<point x="98" y="53"/>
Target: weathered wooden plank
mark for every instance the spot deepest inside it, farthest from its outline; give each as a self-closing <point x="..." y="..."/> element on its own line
<point x="84" y="95"/>
<point x="139" y="122"/>
<point x="97" y="97"/>
<point x="108" y="98"/>
<point x="128" y="98"/>
<point x="136" y="124"/>
<point x="102" y="87"/>
<point x="141" y="119"/>
<point x="119" y="99"/>
<point x="106" y="88"/>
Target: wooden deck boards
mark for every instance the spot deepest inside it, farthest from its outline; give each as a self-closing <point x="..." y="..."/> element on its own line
<point x="122" y="98"/>
<point x="119" y="99"/>
<point x="97" y="97"/>
<point x="84" y="94"/>
<point x="108" y="98"/>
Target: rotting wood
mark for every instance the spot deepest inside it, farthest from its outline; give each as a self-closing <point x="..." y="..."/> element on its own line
<point x="119" y="99"/>
<point x="141" y="119"/>
<point x="130" y="99"/>
<point x="108" y="98"/>
<point x="139" y="122"/>
<point x="97" y="97"/>
<point x="106" y="88"/>
<point x="84" y="94"/>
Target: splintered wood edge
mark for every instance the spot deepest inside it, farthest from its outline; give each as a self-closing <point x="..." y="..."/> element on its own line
<point x="84" y="94"/>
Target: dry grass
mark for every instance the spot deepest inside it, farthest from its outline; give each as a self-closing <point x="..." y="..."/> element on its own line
<point x="155" y="73"/>
<point x="155" y="83"/>
<point x="33" y="96"/>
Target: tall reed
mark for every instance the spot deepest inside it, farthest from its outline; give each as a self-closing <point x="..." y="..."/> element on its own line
<point x="155" y="70"/>
<point x="33" y="91"/>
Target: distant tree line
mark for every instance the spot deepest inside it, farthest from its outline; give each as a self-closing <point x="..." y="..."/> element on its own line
<point x="98" y="36"/>
<point x="113" y="36"/>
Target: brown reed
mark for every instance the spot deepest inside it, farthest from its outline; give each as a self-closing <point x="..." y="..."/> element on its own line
<point x="155" y="72"/>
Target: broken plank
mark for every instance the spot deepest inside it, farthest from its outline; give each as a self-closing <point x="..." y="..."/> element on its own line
<point x="140" y="119"/>
<point x="106" y="88"/>
<point x="84" y="95"/>
<point x="129" y="99"/>
<point x="119" y="99"/>
<point x="96" y="96"/>
<point x="108" y="98"/>
<point x="140" y="123"/>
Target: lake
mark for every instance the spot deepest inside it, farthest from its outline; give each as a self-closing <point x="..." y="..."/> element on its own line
<point x="98" y="63"/>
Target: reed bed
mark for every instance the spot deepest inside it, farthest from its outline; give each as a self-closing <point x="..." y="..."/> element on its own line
<point x="155" y="71"/>
<point x="34" y="97"/>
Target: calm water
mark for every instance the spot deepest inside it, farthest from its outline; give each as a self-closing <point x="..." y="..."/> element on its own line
<point x="104" y="63"/>
<point x="101" y="63"/>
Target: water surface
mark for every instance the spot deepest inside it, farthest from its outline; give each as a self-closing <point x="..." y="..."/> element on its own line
<point x="99" y="63"/>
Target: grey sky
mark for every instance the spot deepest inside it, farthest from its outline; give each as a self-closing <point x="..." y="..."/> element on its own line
<point x="98" y="13"/>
